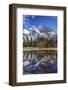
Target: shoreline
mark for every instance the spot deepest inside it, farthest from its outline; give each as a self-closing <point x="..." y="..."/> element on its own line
<point x="37" y="49"/>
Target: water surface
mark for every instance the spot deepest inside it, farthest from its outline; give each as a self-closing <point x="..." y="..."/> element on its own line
<point x="39" y="62"/>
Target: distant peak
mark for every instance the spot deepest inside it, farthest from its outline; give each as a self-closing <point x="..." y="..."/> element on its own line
<point x="25" y="31"/>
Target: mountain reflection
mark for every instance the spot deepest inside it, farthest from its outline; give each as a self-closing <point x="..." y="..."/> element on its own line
<point x="39" y="62"/>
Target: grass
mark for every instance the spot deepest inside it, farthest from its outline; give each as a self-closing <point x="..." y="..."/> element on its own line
<point x="37" y="48"/>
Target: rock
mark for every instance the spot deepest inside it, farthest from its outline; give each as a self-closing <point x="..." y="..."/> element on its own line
<point x="40" y="67"/>
<point x="33" y="61"/>
<point x="25" y="63"/>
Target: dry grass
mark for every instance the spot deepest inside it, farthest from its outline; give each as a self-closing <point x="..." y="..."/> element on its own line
<point x="37" y="48"/>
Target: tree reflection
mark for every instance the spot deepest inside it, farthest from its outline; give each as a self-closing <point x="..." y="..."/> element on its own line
<point x="39" y="62"/>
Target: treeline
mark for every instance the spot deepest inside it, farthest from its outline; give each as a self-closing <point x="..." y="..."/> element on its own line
<point x="41" y="42"/>
<point x="50" y="41"/>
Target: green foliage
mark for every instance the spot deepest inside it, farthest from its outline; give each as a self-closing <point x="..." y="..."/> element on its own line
<point x="41" y="42"/>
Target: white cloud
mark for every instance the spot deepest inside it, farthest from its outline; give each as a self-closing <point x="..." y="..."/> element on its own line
<point x="40" y="26"/>
<point x="33" y="17"/>
<point x="26" y="21"/>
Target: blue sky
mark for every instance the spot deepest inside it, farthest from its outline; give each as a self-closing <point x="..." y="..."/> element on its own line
<point x="39" y="22"/>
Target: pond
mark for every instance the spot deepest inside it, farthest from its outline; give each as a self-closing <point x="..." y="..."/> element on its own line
<point x="39" y="62"/>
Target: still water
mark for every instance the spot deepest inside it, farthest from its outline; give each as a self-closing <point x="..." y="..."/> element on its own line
<point x="39" y="62"/>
